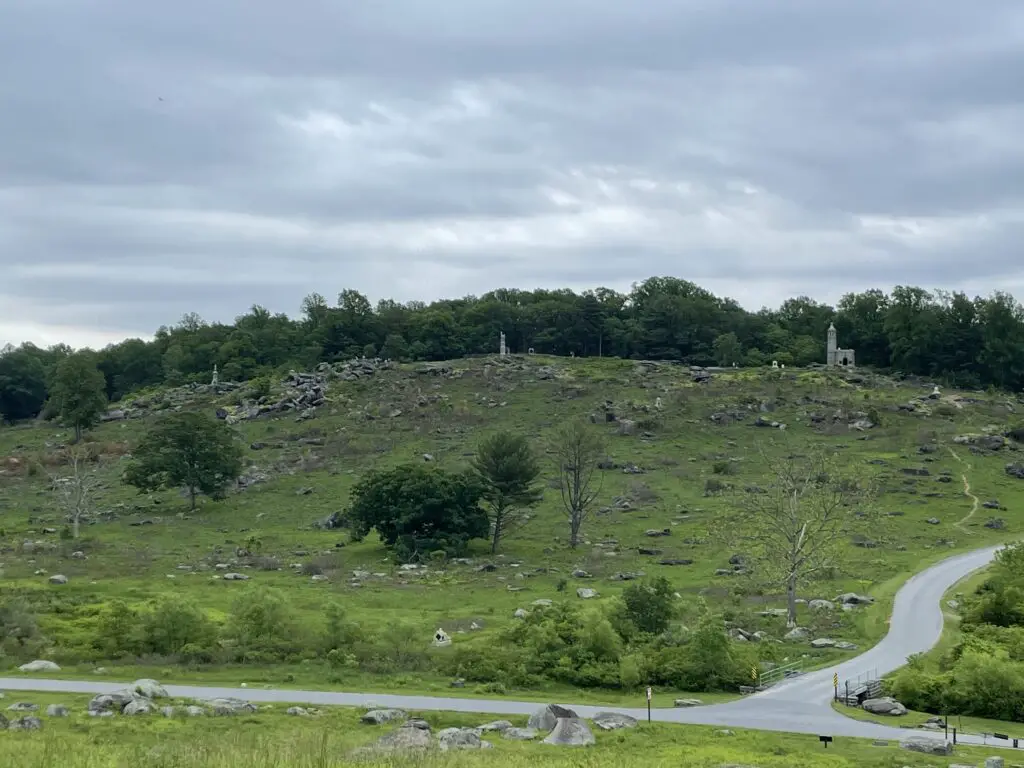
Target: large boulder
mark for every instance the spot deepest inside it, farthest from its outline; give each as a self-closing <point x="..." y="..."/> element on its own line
<point x="927" y="746"/>
<point x="57" y="710"/>
<point x="885" y="706"/>
<point x="115" y="701"/>
<point x="139" y="706"/>
<point x="461" y="738"/>
<point x="544" y="719"/>
<point x="150" y="689"/>
<point x="570" y="732"/>
<point x="381" y="716"/>
<point x="610" y="721"/>
<point x="26" y="724"/>
<point x="39" y="665"/>
<point x="230" y="706"/>
<point x="406" y="738"/>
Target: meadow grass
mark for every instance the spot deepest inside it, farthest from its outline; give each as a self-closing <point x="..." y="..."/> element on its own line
<point x="272" y="739"/>
<point x="144" y="547"/>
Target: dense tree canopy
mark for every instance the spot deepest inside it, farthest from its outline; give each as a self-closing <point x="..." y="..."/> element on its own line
<point x="968" y="342"/>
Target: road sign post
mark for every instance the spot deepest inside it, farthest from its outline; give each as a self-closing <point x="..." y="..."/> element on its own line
<point x="835" y="684"/>
<point x="648" y="703"/>
<point x="754" y="674"/>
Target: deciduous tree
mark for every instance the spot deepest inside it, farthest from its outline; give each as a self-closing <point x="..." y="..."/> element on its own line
<point x="187" y="449"/>
<point x="79" y="392"/>
<point x="417" y="510"/>
<point x="577" y="449"/>
<point x="796" y="527"/>
<point x="76" y="487"/>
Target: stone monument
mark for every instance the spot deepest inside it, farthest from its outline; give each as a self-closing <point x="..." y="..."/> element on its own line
<point x="502" y="349"/>
<point x="441" y="639"/>
<point x="216" y="377"/>
<point x="834" y="355"/>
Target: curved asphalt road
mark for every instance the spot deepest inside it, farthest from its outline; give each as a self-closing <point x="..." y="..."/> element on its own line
<point x="798" y="705"/>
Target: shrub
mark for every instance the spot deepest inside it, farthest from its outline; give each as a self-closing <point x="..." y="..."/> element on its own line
<point x="171" y="625"/>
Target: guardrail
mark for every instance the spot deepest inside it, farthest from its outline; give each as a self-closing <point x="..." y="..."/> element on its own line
<point x="775" y="674"/>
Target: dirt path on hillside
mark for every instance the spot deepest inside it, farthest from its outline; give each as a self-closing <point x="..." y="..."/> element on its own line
<point x="967" y="492"/>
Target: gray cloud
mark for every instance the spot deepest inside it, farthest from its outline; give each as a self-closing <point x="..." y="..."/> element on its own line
<point x="159" y="159"/>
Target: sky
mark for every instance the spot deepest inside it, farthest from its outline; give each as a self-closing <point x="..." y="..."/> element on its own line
<point x="207" y="155"/>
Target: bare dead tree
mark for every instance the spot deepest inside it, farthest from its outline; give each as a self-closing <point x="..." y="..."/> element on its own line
<point x="797" y="528"/>
<point x="577" y="451"/>
<point x="76" y="489"/>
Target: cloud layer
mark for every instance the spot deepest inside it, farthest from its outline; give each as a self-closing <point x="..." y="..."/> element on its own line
<point x="195" y="156"/>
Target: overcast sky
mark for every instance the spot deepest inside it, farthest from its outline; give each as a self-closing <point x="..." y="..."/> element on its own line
<point x="205" y="155"/>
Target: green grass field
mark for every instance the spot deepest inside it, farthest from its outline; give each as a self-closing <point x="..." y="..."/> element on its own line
<point x="272" y="739"/>
<point x="140" y="548"/>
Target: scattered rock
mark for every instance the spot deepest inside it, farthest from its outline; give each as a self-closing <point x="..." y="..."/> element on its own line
<point x="297" y="712"/>
<point x="23" y="706"/>
<point x="519" y="734"/>
<point x="795" y="634"/>
<point x="26" y="724"/>
<point x="225" y="707"/>
<point x="821" y="605"/>
<point x="461" y="738"/>
<point x="497" y="725"/>
<point x="235" y="577"/>
<point x="885" y="706"/>
<point x="585" y="593"/>
<point x="926" y="745"/>
<point x="139" y="706"/>
<point x="58" y="578"/>
<point x="823" y="642"/>
<point x="39" y="665"/>
<point x="381" y="716"/>
<point x="149" y="689"/>
<point x="570" y="732"/>
<point x="610" y="721"/>
<point x="687" y="703"/>
<point x="57" y="710"/>
<point x="544" y="719"/>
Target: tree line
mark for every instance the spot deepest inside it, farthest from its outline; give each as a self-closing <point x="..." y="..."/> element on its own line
<point x="968" y="342"/>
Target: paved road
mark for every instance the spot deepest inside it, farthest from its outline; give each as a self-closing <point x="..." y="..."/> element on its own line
<point x="798" y="705"/>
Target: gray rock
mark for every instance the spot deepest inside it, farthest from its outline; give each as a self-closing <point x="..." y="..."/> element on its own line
<point x="57" y="710"/>
<point x="99" y="713"/>
<point x="687" y="703"/>
<point x="23" y="706"/>
<point x="381" y="716"/>
<point x="544" y="719"/>
<point x="610" y="721"/>
<point x="926" y="745"/>
<point x="39" y="665"/>
<point x="851" y="598"/>
<point x="461" y="738"/>
<point x="235" y="577"/>
<point x="519" y="734"/>
<point x="795" y="634"/>
<point x="194" y="711"/>
<point x="111" y="702"/>
<point x="168" y="711"/>
<point x="823" y="642"/>
<point x="149" y="689"/>
<point x="403" y="739"/>
<point x="570" y="732"/>
<point x="139" y="706"/>
<point x="26" y="724"/>
<point x="297" y="712"/>
<point x="230" y="706"/>
<point x="498" y="725"/>
<point x="821" y="605"/>
<point x="58" y="578"/>
<point x="885" y="706"/>
<point x="994" y="762"/>
<point x="585" y="593"/>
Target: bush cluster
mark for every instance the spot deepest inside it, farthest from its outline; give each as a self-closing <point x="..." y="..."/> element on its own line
<point x="983" y="674"/>
<point x="633" y="641"/>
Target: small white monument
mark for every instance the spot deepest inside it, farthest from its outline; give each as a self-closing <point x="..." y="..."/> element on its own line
<point x="216" y="377"/>
<point x="529" y="351"/>
<point x="657" y="403"/>
<point x="441" y="639"/>
<point x="775" y="363"/>
<point x="502" y="349"/>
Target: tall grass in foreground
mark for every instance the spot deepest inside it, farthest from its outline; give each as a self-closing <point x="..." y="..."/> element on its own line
<point x="332" y="750"/>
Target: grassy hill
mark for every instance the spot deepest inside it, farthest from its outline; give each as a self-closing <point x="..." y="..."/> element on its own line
<point x="681" y="447"/>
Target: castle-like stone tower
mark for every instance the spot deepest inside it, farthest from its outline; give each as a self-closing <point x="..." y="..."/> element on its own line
<point x="834" y="355"/>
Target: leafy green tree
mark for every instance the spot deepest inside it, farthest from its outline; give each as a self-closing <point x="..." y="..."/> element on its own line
<point x="650" y="604"/>
<point x="22" y="383"/>
<point x="79" y="392"/>
<point x="508" y="470"/>
<point x="187" y="449"/>
<point x="727" y="349"/>
<point x="417" y="510"/>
